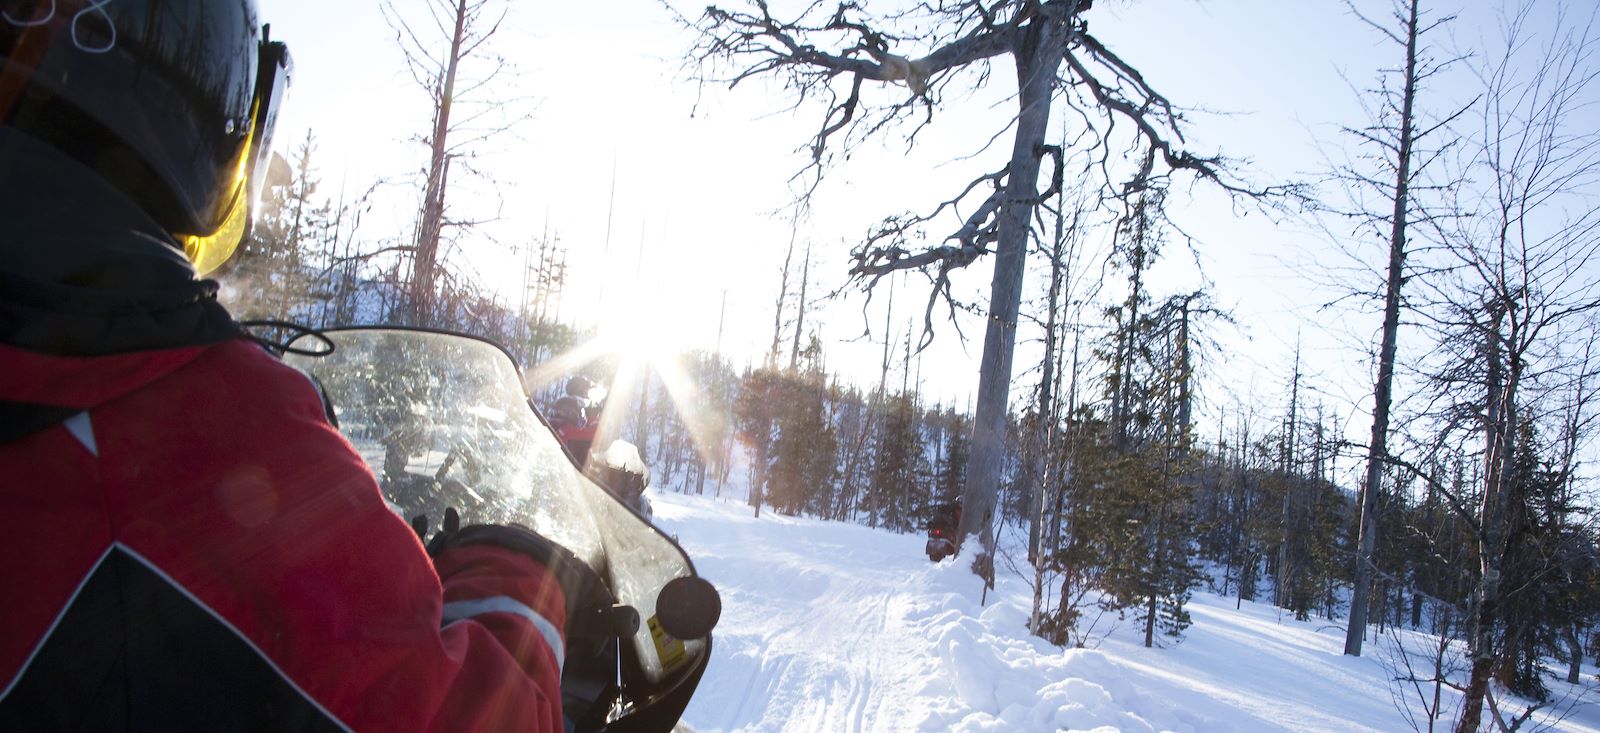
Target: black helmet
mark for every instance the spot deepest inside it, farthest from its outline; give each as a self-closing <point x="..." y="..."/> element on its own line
<point x="172" y="101"/>
<point x="580" y="386"/>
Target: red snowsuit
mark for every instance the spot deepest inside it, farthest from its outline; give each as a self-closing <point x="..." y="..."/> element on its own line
<point x="196" y="548"/>
<point x="578" y="438"/>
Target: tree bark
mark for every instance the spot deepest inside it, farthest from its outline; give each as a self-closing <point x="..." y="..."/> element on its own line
<point x="1037" y="58"/>
<point x="1150" y="622"/>
<point x="1498" y="419"/>
<point x="1575" y="654"/>
<point x="424" y="274"/>
<point x="1377" y="448"/>
<point x="1044" y="448"/>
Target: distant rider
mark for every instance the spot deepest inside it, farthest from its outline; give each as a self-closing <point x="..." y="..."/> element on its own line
<point x="576" y="419"/>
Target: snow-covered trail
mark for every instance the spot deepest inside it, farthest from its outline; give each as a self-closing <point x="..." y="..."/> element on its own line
<point x="814" y="633"/>
<point x="836" y="627"/>
<point x="831" y="627"/>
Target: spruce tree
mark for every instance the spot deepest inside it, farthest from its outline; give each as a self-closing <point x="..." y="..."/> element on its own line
<point x="804" y="453"/>
<point x="899" y="463"/>
<point x="274" y="275"/>
<point x="952" y="466"/>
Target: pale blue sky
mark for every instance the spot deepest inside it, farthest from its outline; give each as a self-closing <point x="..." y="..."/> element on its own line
<point x="696" y="192"/>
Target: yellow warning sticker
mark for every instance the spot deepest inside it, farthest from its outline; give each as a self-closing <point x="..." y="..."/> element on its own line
<point x="669" y="649"/>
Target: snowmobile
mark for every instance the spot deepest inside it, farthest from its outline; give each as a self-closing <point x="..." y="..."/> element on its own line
<point x="943" y="522"/>
<point x="443" y="421"/>
<point x="620" y="470"/>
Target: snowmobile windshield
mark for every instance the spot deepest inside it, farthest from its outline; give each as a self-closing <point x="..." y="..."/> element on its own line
<point x="443" y="422"/>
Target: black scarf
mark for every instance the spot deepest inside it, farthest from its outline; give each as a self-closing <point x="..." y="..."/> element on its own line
<point x="85" y="272"/>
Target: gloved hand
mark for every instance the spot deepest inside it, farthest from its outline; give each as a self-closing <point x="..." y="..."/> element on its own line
<point x="582" y="587"/>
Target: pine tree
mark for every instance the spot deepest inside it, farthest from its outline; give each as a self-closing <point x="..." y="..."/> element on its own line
<point x="899" y="463"/>
<point x="273" y="276"/>
<point x="708" y="416"/>
<point x="804" y="453"/>
<point x="952" y="464"/>
<point x="755" y="410"/>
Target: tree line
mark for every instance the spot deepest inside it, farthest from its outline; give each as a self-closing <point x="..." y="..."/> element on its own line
<point x="1467" y="512"/>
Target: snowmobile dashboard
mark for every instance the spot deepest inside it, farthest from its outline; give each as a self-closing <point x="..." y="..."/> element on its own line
<point x="443" y="422"/>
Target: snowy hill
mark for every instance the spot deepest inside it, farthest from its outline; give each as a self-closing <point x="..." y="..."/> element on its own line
<point x="837" y="627"/>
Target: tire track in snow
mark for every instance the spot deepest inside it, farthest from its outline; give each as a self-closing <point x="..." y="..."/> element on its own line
<point x="813" y="622"/>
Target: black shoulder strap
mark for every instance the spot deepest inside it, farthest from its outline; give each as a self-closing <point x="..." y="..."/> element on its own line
<point x="21" y="419"/>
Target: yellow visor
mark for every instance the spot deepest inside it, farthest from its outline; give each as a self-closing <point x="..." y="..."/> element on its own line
<point x="210" y="251"/>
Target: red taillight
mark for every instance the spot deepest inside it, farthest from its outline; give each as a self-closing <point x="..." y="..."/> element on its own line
<point x="938" y="533"/>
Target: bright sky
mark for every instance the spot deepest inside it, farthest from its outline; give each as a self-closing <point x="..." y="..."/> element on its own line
<point x="701" y="174"/>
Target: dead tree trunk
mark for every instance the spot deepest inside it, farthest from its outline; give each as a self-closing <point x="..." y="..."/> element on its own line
<point x="1041" y="477"/>
<point x="1377" y="447"/>
<point x="1285" y="555"/>
<point x="424" y="274"/>
<point x="1036" y="69"/>
<point x="1498" y="433"/>
<point x="832" y="52"/>
<point x="800" y="311"/>
<point x="777" y="306"/>
<point x="449" y="56"/>
<point x="847" y="492"/>
<point x="1036" y="466"/>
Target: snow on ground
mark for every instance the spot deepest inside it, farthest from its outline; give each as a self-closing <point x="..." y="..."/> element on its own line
<point x="836" y="627"/>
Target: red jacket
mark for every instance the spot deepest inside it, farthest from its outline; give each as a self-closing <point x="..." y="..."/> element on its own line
<point x="195" y="548"/>
<point x="578" y="439"/>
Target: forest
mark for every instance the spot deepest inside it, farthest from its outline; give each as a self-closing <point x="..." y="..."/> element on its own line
<point x="1468" y="227"/>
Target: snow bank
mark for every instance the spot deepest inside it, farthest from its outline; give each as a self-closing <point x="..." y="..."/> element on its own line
<point x="995" y="677"/>
<point x="836" y="627"/>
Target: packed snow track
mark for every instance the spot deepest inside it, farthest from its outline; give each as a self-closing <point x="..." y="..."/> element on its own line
<point x="830" y="627"/>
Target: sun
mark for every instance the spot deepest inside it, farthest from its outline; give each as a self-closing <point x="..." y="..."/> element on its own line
<point x="629" y="332"/>
<point x="637" y="329"/>
<point x="645" y="340"/>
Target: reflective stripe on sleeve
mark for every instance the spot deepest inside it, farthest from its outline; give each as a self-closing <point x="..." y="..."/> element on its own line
<point x="458" y="610"/>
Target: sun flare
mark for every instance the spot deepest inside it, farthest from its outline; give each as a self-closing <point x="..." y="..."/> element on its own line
<point x="645" y="341"/>
<point x="635" y="328"/>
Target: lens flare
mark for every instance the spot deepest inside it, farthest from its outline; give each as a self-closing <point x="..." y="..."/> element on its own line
<point x="645" y="342"/>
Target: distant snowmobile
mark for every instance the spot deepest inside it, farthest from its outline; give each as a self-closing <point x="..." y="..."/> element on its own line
<point x="943" y="522"/>
<point x="622" y="472"/>
<point x="442" y="418"/>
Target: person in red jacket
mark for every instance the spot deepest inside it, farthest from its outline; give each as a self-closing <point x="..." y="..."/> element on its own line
<point x="576" y="419"/>
<point x="188" y="544"/>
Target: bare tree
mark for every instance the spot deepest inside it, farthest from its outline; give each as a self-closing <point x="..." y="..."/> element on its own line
<point x="854" y="456"/>
<point x="448" y="56"/>
<point x="1039" y="443"/>
<point x="1395" y="138"/>
<point x="1419" y="693"/>
<point x="800" y="311"/>
<point x="777" y="305"/>
<point x="1517" y="291"/>
<point x="833" y="53"/>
